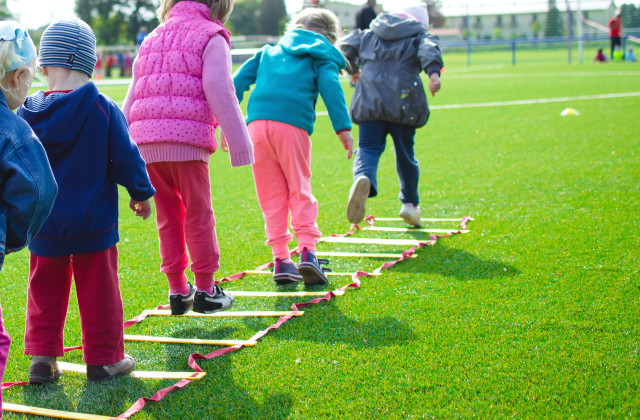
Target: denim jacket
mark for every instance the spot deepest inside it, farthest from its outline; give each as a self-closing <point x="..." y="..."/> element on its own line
<point x="28" y="188"/>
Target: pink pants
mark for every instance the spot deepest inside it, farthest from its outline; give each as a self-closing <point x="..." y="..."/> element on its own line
<point x="5" y="343"/>
<point x="282" y="174"/>
<point x="98" y="292"/>
<point x="185" y="220"/>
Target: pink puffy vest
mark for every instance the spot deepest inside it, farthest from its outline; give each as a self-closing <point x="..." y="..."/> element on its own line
<point x="169" y="102"/>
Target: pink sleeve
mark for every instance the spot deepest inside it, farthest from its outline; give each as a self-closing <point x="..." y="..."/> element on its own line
<point x="221" y="96"/>
<point x="128" y="100"/>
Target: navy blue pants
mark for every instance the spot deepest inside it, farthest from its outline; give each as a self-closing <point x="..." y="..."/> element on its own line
<point x="371" y="144"/>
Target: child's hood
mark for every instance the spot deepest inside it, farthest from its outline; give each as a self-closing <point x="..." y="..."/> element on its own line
<point x="392" y="27"/>
<point x="57" y="122"/>
<point x="303" y="42"/>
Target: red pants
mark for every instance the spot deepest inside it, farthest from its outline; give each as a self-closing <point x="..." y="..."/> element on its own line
<point x="98" y="292"/>
<point x="5" y="343"/>
<point x="185" y="219"/>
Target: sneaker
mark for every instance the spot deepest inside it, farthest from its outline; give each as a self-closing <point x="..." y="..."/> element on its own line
<point x="206" y="303"/>
<point x="181" y="304"/>
<point x="285" y="272"/>
<point x="43" y="370"/>
<point x="410" y="214"/>
<point x="309" y="267"/>
<point x="358" y="198"/>
<point x="98" y="373"/>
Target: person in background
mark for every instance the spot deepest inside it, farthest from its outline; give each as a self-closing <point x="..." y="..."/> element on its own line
<point x="288" y="78"/>
<point x="615" y="32"/>
<point x="28" y="188"/>
<point x="365" y="15"/>
<point x="173" y="111"/>
<point x="389" y="98"/>
<point x="90" y="151"/>
<point x="630" y="57"/>
<point x="600" y="57"/>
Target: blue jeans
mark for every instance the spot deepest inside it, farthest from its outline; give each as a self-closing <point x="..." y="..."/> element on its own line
<point x="371" y="144"/>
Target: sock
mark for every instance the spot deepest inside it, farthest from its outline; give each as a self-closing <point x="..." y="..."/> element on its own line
<point x="178" y="283"/>
<point x="204" y="282"/>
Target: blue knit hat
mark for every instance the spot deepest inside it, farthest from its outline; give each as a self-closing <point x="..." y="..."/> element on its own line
<point x="70" y="44"/>
<point x="22" y="43"/>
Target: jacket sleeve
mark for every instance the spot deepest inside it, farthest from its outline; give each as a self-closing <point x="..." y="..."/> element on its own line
<point x="350" y="47"/>
<point x="28" y="193"/>
<point x="246" y="75"/>
<point x="333" y="95"/>
<point x="126" y="166"/>
<point x="429" y="54"/>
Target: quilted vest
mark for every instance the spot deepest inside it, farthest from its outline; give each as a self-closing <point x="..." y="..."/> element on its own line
<point x="169" y="102"/>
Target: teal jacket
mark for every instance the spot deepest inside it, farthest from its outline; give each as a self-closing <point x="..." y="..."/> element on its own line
<point x="288" y="78"/>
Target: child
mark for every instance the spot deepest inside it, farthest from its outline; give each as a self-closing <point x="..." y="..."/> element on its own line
<point x="600" y="57"/>
<point x="89" y="148"/>
<point x="181" y="89"/>
<point x="288" y="78"/>
<point x="630" y="56"/>
<point x="28" y="186"/>
<point x="389" y="99"/>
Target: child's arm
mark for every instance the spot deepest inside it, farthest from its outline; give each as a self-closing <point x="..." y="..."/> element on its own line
<point x="350" y="47"/>
<point x="333" y="96"/>
<point x="28" y="193"/>
<point x="221" y="96"/>
<point x="246" y="75"/>
<point x="431" y="60"/>
<point x="128" y="100"/>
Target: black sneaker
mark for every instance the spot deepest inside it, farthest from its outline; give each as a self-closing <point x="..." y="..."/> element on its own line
<point x="358" y="195"/>
<point x="98" y="373"/>
<point x="220" y="300"/>
<point x="285" y="272"/>
<point x="310" y="269"/>
<point x="43" y="370"/>
<point x="181" y="304"/>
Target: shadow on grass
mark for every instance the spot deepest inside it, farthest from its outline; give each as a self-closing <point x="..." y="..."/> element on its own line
<point x="451" y="262"/>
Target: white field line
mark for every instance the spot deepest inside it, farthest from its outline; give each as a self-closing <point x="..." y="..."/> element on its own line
<point x="558" y="74"/>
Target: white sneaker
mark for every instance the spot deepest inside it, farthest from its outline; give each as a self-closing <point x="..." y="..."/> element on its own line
<point x="410" y="214"/>
<point x="358" y="198"/>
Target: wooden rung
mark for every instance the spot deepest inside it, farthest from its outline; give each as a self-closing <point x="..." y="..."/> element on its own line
<point x="393" y="229"/>
<point x="148" y="374"/>
<point x="175" y="340"/>
<point x="282" y="294"/>
<point x="397" y="219"/>
<point x="36" y="411"/>
<point x="166" y="312"/>
<point x="360" y="254"/>
<point x="343" y="240"/>
<point x="328" y="274"/>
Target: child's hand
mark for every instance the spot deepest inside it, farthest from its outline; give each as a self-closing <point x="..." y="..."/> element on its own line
<point x="354" y="78"/>
<point x="224" y="145"/>
<point x="141" y="208"/>
<point x="347" y="141"/>
<point x="434" y="83"/>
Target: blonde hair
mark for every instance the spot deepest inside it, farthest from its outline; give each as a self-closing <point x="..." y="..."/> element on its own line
<point x="320" y="21"/>
<point x="218" y="9"/>
<point x="8" y="55"/>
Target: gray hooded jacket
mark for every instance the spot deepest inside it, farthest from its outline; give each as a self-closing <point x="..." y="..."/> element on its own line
<point x="391" y="55"/>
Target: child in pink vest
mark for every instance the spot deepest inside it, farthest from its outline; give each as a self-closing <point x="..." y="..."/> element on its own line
<point x="181" y="90"/>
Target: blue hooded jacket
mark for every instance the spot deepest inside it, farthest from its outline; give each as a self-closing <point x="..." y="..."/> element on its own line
<point x="28" y="186"/>
<point x="288" y="78"/>
<point x="87" y="141"/>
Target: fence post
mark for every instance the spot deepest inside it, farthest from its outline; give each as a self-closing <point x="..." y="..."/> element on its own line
<point x="513" y="53"/>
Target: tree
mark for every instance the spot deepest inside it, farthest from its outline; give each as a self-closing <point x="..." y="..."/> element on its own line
<point x="436" y="18"/>
<point x="555" y="26"/>
<point x="272" y="17"/>
<point x="5" y="13"/>
<point x="630" y="16"/>
<point x="244" y="19"/>
<point x="117" y="21"/>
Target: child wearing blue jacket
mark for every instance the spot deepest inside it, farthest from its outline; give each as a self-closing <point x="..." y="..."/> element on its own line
<point x="288" y="78"/>
<point x="87" y="141"/>
<point x="28" y="186"/>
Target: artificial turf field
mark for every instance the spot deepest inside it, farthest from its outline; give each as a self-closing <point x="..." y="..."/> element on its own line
<point x="533" y="313"/>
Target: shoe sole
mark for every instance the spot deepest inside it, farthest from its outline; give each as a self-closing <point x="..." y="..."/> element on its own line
<point x="212" y="311"/>
<point x="41" y="380"/>
<point x="358" y="199"/>
<point x="312" y="275"/>
<point x="283" y="279"/>
<point x="186" y="309"/>
<point x="407" y="218"/>
<point x="117" y="375"/>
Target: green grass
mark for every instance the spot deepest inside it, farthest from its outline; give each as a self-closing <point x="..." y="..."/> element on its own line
<point x="534" y="313"/>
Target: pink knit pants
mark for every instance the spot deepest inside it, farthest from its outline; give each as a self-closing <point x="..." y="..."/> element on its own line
<point x="282" y="174"/>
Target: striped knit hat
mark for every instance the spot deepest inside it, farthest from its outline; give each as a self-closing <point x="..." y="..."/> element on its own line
<point x="70" y="44"/>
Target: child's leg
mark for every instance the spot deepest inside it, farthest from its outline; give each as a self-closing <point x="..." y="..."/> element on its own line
<point x="372" y="139"/>
<point x="47" y="303"/>
<point x="5" y="343"/>
<point x="292" y="147"/>
<point x="170" y="213"/>
<point x="271" y="188"/>
<point x="100" y="303"/>
<point x="406" y="163"/>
